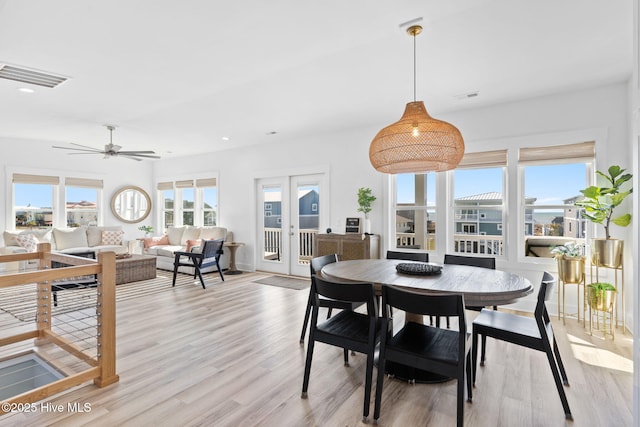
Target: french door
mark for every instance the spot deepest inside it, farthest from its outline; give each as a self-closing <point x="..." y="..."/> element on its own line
<point x="289" y="216"/>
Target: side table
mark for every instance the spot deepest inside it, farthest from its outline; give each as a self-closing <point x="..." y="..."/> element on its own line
<point x="233" y="247"/>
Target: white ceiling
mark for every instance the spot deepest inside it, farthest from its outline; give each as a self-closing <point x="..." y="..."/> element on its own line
<point x="179" y="76"/>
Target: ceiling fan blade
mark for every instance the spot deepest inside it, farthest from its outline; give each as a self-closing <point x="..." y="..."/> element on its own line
<point x="77" y="149"/>
<point x="85" y="146"/>
<point x="146" y="156"/>
<point x="130" y="157"/>
<point x="135" y="152"/>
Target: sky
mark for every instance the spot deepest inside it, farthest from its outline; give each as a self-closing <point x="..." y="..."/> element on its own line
<point x="41" y="195"/>
<point x="549" y="184"/>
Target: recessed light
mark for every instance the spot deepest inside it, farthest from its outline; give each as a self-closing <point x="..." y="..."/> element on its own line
<point x="467" y="95"/>
<point x="273" y="132"/>
<point x="225" y="138"/>
<point x="26" y="90"/>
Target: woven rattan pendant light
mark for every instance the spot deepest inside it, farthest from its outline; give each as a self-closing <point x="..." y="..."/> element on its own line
<point x="417" y="142"/>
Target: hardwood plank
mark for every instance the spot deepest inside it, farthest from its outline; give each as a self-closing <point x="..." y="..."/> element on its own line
<point x="229" y="356"/>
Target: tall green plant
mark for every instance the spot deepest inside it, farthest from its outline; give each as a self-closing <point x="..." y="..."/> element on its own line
<point x="365" y="199"/>
<point x="600" y="202"/>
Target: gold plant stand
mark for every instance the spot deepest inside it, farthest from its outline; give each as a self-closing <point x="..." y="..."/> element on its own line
<point x="606" y="309"/>
<point x="571" y="271"/>
<point x="620" y="290"/>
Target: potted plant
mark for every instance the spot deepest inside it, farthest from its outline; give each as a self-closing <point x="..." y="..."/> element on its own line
<point x="601" y="296"/>
<point x="599" y="204"/>
<point x="570" y="258"/>
<point x="147" y="229"/>
<point x="365" y="199"/>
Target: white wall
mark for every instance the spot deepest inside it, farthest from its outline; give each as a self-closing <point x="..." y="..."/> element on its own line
<point x="37" y="157"/>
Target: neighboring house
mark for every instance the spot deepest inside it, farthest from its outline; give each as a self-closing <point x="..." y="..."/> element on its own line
<point x="573" y="225"/>
<point x="308" y="209"/>
<point x="482" y="214"/>
<point x="82" y="213"/>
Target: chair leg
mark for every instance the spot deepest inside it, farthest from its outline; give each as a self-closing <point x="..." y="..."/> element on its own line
<point x="556" y="378"/>
<point x="474" y="349"/>
<point x="379" y="384"/>
<point x="367" y="386"/>
<point x="483" y="354"/>
<point x="460" y="400"/>
<point x="220" y="272"/>
<point x="175" y="270"/>
<point x="306" y="319"/>
<point x="563" y="373"/>
<point x="469" y="369"/>
<point x="199" y="273"/>
<point x="329" y="312"/>
<point x="346" y="356"/>
<point x="448" y="326"/>
<point x="307" y="368"/>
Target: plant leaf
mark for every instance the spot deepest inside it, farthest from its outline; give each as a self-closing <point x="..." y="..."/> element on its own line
<point x="622" y="220"/>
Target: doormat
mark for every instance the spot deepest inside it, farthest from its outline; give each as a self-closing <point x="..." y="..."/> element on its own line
<point x="285" y="282"/>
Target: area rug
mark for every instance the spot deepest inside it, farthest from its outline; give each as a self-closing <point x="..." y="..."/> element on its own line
<point x="18" y="301"/>
<point x="285" y="282"/>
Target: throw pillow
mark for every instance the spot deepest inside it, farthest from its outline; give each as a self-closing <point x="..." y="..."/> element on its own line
<point x="70" y="238"/>
<point x="192" y="243"/>
<point x="94" y="233"/>
<point x="190" y="233"/>
<point x="111" y="238"/>
<point x="28" y="241"/>
<point x="175" y="235"/>
<point x="9" y="238"/>
<point x="156" y="241"/>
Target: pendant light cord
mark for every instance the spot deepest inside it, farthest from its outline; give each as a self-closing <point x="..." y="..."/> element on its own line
<point x="414" y="67"/>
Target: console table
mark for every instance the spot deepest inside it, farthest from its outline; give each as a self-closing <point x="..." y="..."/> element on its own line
<point x="347" y="246"/>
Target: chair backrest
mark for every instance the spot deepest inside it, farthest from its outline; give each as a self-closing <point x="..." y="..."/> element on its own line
<point x="362" y="292"/>
<point x="420" y="303"/>
<point x="409" y="256"/>
<point x="484" y="262"/>
<point x="212" y="248"/>
<point x="544" y="293"/>
<point x="317" y="263"/>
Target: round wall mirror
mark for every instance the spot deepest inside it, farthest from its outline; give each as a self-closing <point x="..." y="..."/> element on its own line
<point x="131" y="204"/>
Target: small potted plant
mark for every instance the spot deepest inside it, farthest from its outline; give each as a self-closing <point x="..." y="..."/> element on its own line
<point x="601" y="296"/>
<point x="147" y="229"/>
<point x="365" y="199"/>
<point x="570" y="258"/>
<point x="599" y="204"/>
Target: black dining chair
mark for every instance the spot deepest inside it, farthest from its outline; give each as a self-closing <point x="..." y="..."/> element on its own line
<point x="200" y="257"/>
<point x="315" y="266"/>
<point x="409" y="256"/>
<point x="483" y="262"/>
<point x="532" y="332"/>
<point x="428" y="348"/>
<point x="359" y="332"/>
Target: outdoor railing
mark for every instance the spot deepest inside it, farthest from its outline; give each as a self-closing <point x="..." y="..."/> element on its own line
<point x="273" y="242"/>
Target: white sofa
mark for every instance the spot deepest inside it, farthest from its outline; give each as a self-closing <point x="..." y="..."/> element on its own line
<point x="69" y="240"/>
<point x="183" y="239"/>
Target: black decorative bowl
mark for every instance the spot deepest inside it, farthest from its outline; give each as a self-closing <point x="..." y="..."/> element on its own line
<point x="419" y="268"/>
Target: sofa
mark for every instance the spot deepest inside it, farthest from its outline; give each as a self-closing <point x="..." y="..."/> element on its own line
<point x="67" y="240"/>
<point x="185" y="239"/>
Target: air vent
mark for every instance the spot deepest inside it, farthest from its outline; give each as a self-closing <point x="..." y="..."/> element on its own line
<point x="25" y="75"/>
<point x="467" y="95"/>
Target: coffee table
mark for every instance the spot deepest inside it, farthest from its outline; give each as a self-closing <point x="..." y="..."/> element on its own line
<point x="135" y="268"/>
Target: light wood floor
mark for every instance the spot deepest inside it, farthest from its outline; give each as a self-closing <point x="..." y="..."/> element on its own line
<point x="229" y="356"/>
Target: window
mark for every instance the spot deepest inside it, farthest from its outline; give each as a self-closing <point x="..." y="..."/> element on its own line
<point x="548" y="207"/>
<point x="167" y="195"/>
<point x="191" y="202"/>
<point x="81" y="201"/>
<point x="479" y="203"/>
<point x="415" y="211"/>
<point x="33" y="200"/>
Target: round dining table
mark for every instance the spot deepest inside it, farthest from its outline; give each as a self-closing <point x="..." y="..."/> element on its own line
<point x="480" y="287"/>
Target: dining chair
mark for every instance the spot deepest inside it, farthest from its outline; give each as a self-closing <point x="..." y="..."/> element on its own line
<point x="409" y="256"/>
<point x="532" y="332"/>
<point x="315" y="265"/>
<point x="483" y="262"/>
<point x="206" y="255"/>
<point x="425" y="347"/>
<point x="359" y="332"/>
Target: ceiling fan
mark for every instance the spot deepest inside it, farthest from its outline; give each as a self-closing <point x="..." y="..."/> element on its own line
<point x="111" y="150"/>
